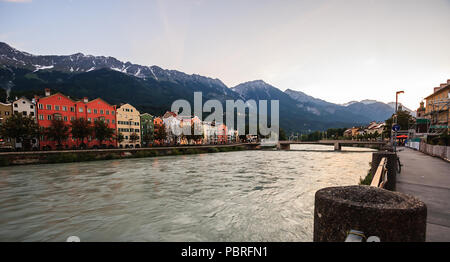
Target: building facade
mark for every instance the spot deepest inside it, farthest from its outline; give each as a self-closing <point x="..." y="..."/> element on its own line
<point x="147" y="129"/>
<point x="437" y="108"/>
<point x="28" y="109"/>
<point x="25" y="107"/>
<point x="128" y="123"/>
<point x="5" y="113"/>
<point x="98" y="110"/>
<point x="59" y="106"/>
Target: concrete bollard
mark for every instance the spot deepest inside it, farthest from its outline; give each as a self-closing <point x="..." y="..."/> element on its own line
<point x="391" y="216"/>
<point x="391" y="166"/>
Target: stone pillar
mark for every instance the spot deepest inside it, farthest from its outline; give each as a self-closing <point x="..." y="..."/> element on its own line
<point x="391" y="216"/>
<point x="391" y="166"/>
<point x="337" y="146"/>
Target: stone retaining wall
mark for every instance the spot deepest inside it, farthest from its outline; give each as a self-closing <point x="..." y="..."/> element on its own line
<point x="432" y="150"/>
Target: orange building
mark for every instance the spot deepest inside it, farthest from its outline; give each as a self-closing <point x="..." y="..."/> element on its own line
<point x="437" y="107"/>
<point x="222" y="134"/>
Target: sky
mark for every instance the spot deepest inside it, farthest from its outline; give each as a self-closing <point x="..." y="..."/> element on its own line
<point x="336" y="50"/>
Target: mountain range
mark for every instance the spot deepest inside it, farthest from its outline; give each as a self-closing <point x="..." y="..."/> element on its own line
<point x="153" y="89"/>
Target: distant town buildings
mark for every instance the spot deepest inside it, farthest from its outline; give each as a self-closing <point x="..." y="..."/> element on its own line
<point x="131" y="129"/>
<point x="373" y="130"/>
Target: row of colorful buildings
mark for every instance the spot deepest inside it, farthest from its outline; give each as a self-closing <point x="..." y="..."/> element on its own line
<point x="125" y="119"/>
<point x="373" y="128"/>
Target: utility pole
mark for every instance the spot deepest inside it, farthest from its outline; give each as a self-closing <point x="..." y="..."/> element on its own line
<point x="394" y="141"/>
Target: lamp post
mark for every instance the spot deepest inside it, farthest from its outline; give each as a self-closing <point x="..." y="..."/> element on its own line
<point x="395" y="119"/>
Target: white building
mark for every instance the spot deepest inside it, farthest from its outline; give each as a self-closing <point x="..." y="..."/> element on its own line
<point x="24" y="106"/>
<point x="27" y="108"/>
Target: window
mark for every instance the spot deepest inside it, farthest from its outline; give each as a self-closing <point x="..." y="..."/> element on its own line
<point x="107" y="112"/>
<point x="24" y="113"/>
<point x="89" y="110"/>
<point x="65" y="118"/>
<point x="95" y="111"/>
<point x="57" y="116"/>
<point x="41" y="117"/>
<point x="113" y="121"/>
<point x="31" y="113"/>
<point x="107" y="121"/>
<point x="101" y="111"/>
<point x="15" y="105"/>
<point x="80" y="109"/>
<point x="49" y="107"/>
<point x="72" y="118"/>
<point x="31" y="106"/>
<point x="112" y="112"/>
<point x="57" y="108"/>
<point x="41" y="106"/>
<point x="64" y="108"/>
<point x="6" y="113"/>
<point x="49" y="117"/>
<point x="72" y="109"/>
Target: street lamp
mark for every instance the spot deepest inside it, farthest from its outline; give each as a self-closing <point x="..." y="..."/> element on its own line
<point x="395" y="119"/>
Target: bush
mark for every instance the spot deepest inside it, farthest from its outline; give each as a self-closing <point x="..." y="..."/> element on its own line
<point x="368" y="179"/>
<point x="213" y="150"/>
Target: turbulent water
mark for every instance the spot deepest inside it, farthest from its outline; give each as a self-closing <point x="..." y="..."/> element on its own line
<point x="233" y="196"/>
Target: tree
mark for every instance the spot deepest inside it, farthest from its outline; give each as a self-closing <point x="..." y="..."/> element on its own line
<point x="58" y="131"/>
<point x="120" y="138"/>
<point x="3" y="95"/>
<point x="102" y="131"/>
<point x="160" y="133"/>
<point x="193" y="135"/>
<point x="134" y="137"/>
<point x="81" y="129"/>
<point x="20" y="127"/>
<point x="283" y="136"/>
<point x="404" y="118"/>
<point x="147" y="138"/>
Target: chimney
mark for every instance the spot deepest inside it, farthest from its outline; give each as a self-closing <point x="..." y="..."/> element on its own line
<point x="85" y="99"/>
<point x="443" y="85"/>
<point x="436" y="89"/>
<point x="47" y="92"/>
<point x="448" y="81"/>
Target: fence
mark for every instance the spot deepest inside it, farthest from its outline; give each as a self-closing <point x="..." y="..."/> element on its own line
<point x="432" y="150"/>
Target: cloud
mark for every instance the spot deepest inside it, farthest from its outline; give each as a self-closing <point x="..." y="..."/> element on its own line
<point x="17" y="1"/>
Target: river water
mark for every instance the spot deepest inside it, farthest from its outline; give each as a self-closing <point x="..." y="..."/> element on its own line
<point x="233" y="196"/>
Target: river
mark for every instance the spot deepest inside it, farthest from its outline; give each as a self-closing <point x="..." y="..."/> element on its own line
<point x="232" y="196"/>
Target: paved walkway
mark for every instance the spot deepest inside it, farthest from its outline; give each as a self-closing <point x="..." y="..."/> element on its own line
<point x="428" y="178"/>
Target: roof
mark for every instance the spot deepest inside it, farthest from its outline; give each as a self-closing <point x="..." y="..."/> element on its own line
<point x="438" y="91"/>
<point x="98" y="98"/>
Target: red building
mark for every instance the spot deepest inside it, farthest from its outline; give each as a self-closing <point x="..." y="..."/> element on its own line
<point x="222" y="134"/>
<point x="62" y="107"/>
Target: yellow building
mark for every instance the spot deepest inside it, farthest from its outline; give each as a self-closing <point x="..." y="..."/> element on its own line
<point x="437" y="107"/>
<point x="5" y="113"/>
<point x="128" y="123"/>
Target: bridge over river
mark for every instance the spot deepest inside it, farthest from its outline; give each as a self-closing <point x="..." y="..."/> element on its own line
<point x="285" y="145"/>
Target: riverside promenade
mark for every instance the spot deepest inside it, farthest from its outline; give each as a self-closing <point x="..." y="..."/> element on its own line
<point x="428" y="178"/>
